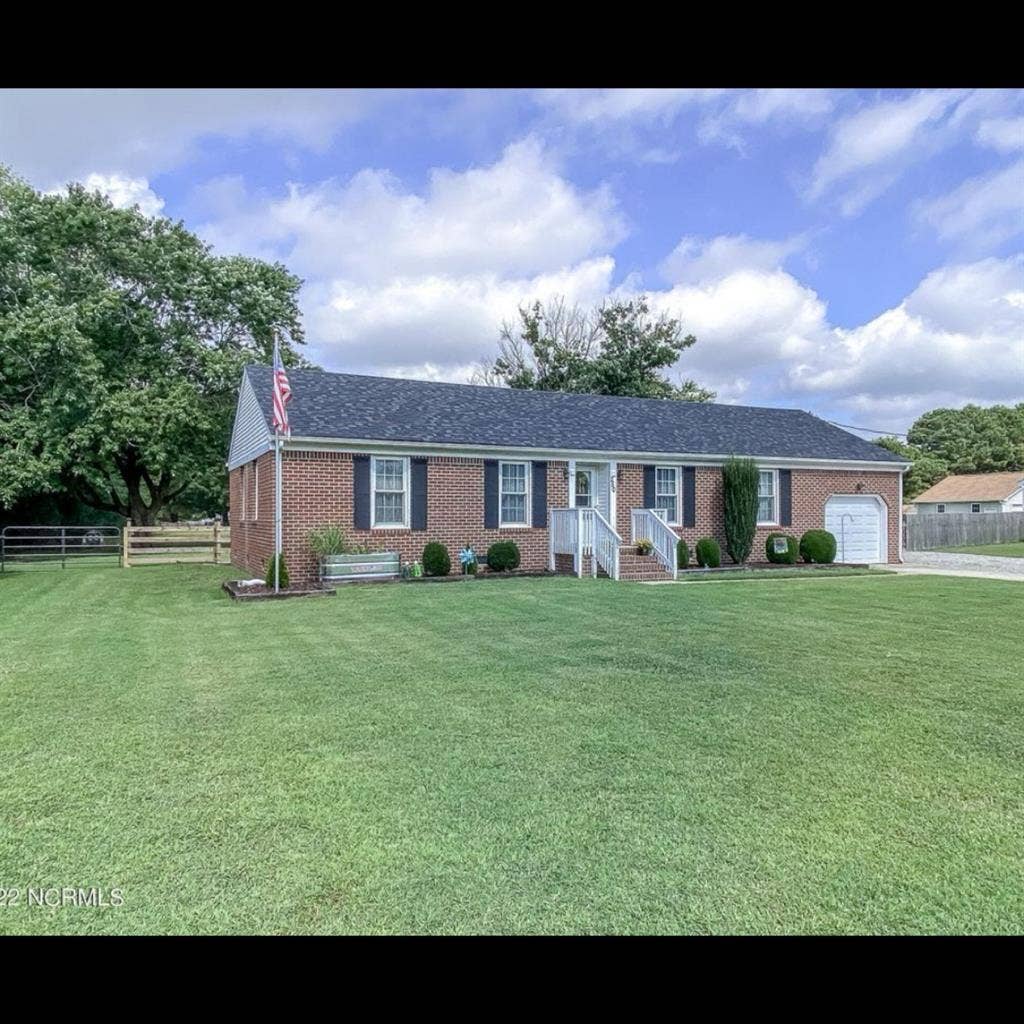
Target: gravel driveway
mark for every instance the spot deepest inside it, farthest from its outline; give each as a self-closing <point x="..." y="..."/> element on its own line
<point x="946" y="561"/>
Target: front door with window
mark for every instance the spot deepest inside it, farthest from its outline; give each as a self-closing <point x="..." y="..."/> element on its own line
<point x="584" y="488"/>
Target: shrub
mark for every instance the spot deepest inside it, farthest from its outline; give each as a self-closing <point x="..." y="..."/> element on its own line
<point x="818" y="546"/>
<point x="787" y="557"/>
<point x="503" y="556"/>
<point x="328" y="540"/>
<point x="682" y="554"/>
<point x="644" y="546"/>
<point x="709" y="554"/>
<point x="282" y="573"/>
<point x="436" y="561"/>
<point x="739" y="489"/>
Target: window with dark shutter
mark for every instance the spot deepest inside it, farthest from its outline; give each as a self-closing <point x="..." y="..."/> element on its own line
<point x="361" y="491"/>
<point x="419" y="493"/>
<point x="689" y="496"/>
<point x="649" y="495"/>
<point x="540" y="494"/>
<point x="491" y="494"/>
<point x="785" y="497"/>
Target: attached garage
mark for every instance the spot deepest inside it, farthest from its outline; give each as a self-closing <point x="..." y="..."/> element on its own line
<point x="858" y="523"/>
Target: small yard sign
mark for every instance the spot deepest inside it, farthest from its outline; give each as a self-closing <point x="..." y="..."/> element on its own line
<point x="780" y="545"/>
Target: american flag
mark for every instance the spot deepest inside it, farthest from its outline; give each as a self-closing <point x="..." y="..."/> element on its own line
<point x="282" y="393"/>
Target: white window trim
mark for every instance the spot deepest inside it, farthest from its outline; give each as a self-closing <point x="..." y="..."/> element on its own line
<point x="679" y="497"/>
<point x="774" y="521"/>
<point x="940" y="507"/>
<point x="502" y="525"/>
<point x="245" y="490"/>
<point x="407" y="493"/>
<point x="255" y="491"/>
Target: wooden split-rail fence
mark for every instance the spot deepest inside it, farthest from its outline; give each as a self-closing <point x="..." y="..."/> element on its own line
<point x="174" y="542"/>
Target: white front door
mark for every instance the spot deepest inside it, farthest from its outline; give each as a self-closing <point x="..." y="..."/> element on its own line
<point x="857" y="521"/>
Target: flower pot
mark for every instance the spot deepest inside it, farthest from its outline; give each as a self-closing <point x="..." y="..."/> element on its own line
<point x="374" y="565"/>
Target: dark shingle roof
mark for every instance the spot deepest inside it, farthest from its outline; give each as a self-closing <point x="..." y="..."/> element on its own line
<point x="354" y="407"/>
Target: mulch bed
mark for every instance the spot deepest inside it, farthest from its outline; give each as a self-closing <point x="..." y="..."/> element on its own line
<point x="263" y="593"/>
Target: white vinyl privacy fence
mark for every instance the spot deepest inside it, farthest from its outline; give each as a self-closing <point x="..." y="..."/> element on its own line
<point x="958" y="529"/>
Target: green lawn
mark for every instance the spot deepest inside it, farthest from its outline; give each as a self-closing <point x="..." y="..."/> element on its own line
<point x="527" y="756"/>
<point x="1014" y="549"/>
<point x="780" y="574"/>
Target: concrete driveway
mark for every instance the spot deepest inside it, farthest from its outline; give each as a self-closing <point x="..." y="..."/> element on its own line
<point x="949" y="564"/>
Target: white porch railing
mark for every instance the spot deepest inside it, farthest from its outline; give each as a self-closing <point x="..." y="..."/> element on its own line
<point x="583" y="531"/>
<point x="648" y="523"/>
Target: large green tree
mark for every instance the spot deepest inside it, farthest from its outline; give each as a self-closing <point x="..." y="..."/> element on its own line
<point x="619" y="348"/>
<point x="122" y="340"/>
<point x="973" y="439"/>
<point x="925" y="470"/>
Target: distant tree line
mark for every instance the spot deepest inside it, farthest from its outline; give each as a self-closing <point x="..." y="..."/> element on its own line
<point x="974" y="439"/>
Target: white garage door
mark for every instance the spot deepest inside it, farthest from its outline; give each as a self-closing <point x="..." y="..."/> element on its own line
<point x="858" y="522"/>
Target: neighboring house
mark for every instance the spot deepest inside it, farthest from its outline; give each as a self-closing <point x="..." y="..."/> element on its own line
<point x="398" y="462"/>
<point x="974" y="492"/>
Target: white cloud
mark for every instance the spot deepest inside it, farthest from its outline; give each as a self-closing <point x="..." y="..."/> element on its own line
<point x="126" y="192"/>
<point x="1005" y="134"/>
<point x="695" y="260"/>
<point x="869" y="149"/>
<point x="599" y="106"/>
<point x="52" y="136"/>
<point x="958" y="336"/>
<point x="399" y="279"/>
<point x="983" y="212"/>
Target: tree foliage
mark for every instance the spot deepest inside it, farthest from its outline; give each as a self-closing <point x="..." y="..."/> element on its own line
<point x="739" y="487"/>
<point x="122" y="340"/>
<point x="968" y="440"/>
<point x="619" y="348"/>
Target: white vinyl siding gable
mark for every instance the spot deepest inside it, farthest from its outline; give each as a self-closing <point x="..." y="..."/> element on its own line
<point x="250" y="435"/>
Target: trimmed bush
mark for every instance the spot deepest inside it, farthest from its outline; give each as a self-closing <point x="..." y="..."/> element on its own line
<point x="709" y="554"/>
<point x="436" y="561"/>
<point x="818" y="546"/>
<point x="739" y="490"/>
<point x="503" y="556"/>
<point x="282" y="573"/>
<point x="787" y="557"/>
<point x="682" y="554"/>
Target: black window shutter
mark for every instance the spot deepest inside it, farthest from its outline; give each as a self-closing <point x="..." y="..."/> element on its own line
<point x="649" y="497"/>
<point x="419" y="493"/>
<point x="540" y="494"/>
<point x="491" y="494"/>
<point x="361" y="491"/>
<point x="689" y="496"/>
<point x="785" y="497"/>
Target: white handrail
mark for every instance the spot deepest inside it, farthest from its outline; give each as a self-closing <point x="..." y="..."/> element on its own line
<point x="647" y="523"/>
<point x="605" y="546"/>
<point x="580" y="532"/>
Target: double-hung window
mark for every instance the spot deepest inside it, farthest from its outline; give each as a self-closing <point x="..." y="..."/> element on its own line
<point x="767" y="497"/>
<point x="975" y="507"/>
<point x="390" y="492"/>
<point x="514" y="498"/>
<point x="666" y="492"/>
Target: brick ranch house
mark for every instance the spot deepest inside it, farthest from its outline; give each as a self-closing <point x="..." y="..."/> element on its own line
<point x="572" y="479"/>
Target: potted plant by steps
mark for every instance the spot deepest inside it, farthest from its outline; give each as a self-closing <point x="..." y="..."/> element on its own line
<point x="644" y="546"/>
<point x="338" y="561"/>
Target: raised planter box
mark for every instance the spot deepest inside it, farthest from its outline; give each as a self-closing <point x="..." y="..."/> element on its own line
<point x="373" y="566"/>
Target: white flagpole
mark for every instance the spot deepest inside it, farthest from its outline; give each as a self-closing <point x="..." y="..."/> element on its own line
<point x="277" y="510"/>
<point x="277" y="481"/>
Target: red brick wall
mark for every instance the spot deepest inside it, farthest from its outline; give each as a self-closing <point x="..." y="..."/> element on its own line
<point x="317" y="491"/>
<point x="811" y="489"/>
<point x="252" y="536"/>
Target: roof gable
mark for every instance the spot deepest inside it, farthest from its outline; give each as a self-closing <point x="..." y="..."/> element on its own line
<point x="342" y="406"/>
<point x="973" y="487"/>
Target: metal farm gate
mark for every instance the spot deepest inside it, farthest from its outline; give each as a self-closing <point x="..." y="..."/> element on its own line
<point x="58" y="547"/>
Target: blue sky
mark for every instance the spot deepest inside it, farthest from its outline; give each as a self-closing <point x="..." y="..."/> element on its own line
<point x="857" y="254"/>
